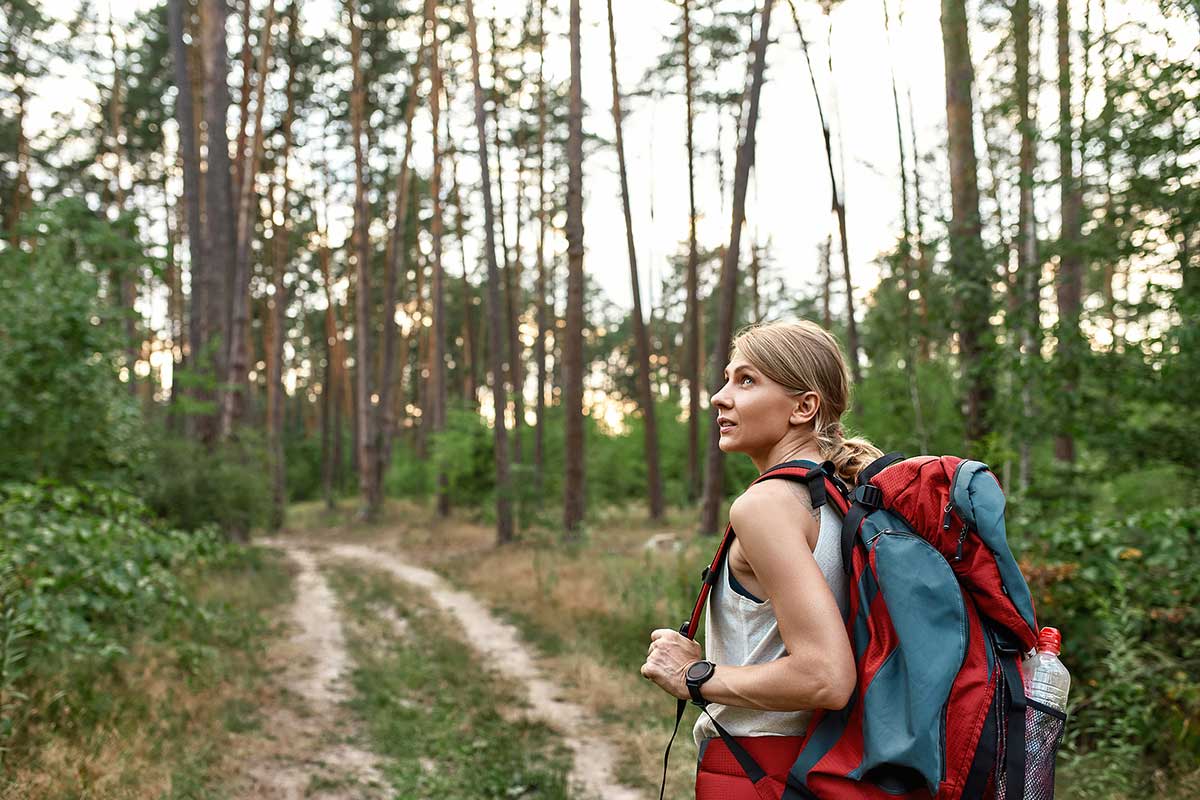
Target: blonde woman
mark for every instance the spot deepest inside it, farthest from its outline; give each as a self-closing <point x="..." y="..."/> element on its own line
<point x="777" y="645"/>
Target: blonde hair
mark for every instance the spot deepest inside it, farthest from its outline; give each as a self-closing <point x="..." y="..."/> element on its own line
<point x="801" y="356"/>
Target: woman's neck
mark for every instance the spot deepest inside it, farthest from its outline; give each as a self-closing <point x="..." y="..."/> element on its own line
<point x="806" y="448"/>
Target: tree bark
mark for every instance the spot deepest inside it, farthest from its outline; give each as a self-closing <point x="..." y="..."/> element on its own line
<point x="574" y="497"/>
<point x="396" y="265"/>
<point x="197" y="325"/>
<point x="968" y="268"/>
<point x="838" y="208"/>
<point x="713" y="474"/>
<point x="280" y="240"/>
<point x="539" y="445"/>
<point x="1028" y="268"/>
<point x="504" y="517"/>
<point x="693" y="367"/>
<point x="220" y="229"/>
<point x="438" y="356"/>
<point x="365" y="438"/>
<point x="239" y="153"/>
<point x="641" y="336"/>
<point x="20" y="196"/>
<point x="1070" y="266"/>
<point x="234" y="402"/>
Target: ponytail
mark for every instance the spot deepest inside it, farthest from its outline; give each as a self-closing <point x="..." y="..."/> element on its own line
<point x="849" y="456"/>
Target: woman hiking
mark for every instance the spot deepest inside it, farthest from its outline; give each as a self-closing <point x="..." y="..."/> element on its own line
<point x="777" y="645"/>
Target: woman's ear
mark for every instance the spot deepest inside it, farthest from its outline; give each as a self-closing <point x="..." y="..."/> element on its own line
<point x="807" y="406"/>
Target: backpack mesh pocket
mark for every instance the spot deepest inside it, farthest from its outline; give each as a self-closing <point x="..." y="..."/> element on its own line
<point x="1044" y="727"/>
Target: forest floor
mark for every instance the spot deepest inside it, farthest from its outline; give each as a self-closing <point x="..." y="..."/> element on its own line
<point x="392" y="682"/>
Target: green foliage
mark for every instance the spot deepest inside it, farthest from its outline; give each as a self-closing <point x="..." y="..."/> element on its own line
<point x="1122" y="590"/>
<point x="191" y="486"/>
<point x="303" y="459"/>
<point x="81" y="568"/>
<point x="63" y="411"/>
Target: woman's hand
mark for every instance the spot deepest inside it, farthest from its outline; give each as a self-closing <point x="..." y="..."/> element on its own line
<point x="667" y="660"/>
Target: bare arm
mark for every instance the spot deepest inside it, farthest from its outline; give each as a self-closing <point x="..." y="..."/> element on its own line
<point x="818" y="669"/>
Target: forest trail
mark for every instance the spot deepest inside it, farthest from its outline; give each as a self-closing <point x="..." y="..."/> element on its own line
<point x="594" y="768"/>
<point x="316" y="666"/>
<point x="309" y="749"/>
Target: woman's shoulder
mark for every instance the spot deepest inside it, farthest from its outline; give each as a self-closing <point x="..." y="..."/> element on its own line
<point x="770" y="505"/>
<point x="778" y="496"/>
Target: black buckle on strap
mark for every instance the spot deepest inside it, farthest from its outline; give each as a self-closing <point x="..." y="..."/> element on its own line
<point x="868" y="495"/>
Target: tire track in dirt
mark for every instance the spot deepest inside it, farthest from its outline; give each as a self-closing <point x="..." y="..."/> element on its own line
<point x="306" y="746"/>
<point x="500" y="643"/>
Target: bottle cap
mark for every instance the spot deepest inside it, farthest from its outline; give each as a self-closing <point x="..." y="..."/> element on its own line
<point x="1050" y="640"/>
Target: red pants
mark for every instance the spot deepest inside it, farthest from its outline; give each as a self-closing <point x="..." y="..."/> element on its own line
<point x="720" y="777"/>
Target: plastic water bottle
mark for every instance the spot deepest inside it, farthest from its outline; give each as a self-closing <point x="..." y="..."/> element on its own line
<point x="1046" y="679"/>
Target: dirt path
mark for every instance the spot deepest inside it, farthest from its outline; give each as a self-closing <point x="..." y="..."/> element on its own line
<point x="306" y="747"/>
<point x="500" y="644"/>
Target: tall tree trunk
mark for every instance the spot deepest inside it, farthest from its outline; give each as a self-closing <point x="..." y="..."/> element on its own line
<point x="515" y="349"/>
<point x="334" y="386"/>
<point x="693" y="366"/>
<point x="574" y="497"/>
<point x="364" y="437"/>
<point x="239" y="153"/>
<point x="280" y="240"/>
<point x="713" y="474"/>
<point x="469" y="334"/>
<point x="234" y="402"/>
<point x="396" y="265"/>
<point x="968" y="265"/>
<point x="907" y="261"/>
<point x="125" y="280"/>
<point x="438" y="357"/>
<point x="197" y="326"/>
<point x="516" y="295"/>
<point x="220" y="228"/>
<point x="1028" y="267"/>
<point x="825" y="258"/>
<point x="838" y="208"/>
<point x="539" y="441"/>
<point x="504" y="517"/>
<point x="755" y="269"/>
<point x="20" y="196"/>
<point x="1070" y="266"/>
<point x="641" y="336"/>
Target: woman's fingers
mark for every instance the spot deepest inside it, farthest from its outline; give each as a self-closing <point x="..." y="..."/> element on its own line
<point x="658" y="633"/>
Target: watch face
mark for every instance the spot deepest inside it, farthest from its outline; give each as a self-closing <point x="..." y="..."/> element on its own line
<point x="699" y="670"/>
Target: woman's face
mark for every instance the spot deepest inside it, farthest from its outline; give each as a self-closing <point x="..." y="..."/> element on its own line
<point x="754" y="413"/>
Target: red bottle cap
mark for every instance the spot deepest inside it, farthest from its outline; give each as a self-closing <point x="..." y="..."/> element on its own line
<point x="1050" y="640"/>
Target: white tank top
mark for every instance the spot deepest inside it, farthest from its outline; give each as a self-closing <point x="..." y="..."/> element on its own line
<point x="739" y="631"/>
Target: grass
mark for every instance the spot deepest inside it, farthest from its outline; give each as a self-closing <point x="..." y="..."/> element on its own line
<point x="442" y="721"/>
<point x="154" y="723"/>
<point x="588" y="607"/>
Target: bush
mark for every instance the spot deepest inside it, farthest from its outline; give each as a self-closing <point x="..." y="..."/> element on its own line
<point x="80" y="569"/>
<point x="64" y="413"/>
<point x="190" y="486"/>
<point x="1124" y="595"/>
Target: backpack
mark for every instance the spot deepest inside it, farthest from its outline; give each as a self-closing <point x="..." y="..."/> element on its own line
<point x="939" y="618"/>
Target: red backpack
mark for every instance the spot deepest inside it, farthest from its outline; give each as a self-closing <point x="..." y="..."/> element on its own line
<point x="939" y="618"/>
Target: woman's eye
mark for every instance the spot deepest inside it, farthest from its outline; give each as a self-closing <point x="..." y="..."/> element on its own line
<point x="747" y="378"/>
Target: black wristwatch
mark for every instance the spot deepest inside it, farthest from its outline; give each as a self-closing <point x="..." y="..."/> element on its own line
<point x="696" y="675"/>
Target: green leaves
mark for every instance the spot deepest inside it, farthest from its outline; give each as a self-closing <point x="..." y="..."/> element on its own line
<point x="81" y="567"/>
